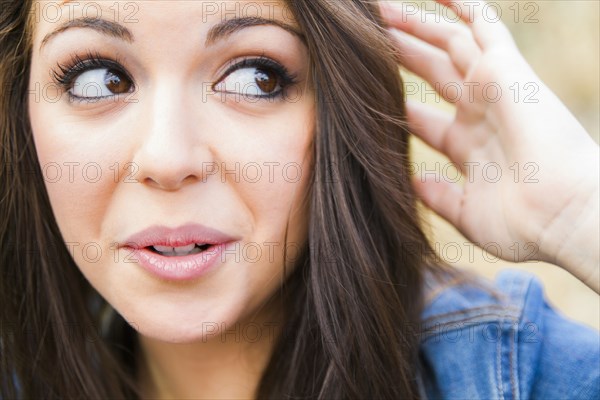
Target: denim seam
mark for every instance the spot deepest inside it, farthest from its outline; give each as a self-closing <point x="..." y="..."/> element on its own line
<point x="502" y="307"/>
<point x="512" y="364"/>
<point x="525" y="285"/>
<point x="483" y="317"/>
<point x="478" y="313"/>
<point x="499" y="377"/>
<point x="430" y="331"/>
<point x="518" y="299"/>
<point x="510" y="383"/>
<point x="499" y="356"/>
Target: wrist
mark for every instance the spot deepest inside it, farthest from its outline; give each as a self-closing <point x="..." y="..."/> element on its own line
<point x="576" y="247"/>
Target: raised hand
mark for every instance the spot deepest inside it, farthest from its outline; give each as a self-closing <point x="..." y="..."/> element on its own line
<point x="537" y="180"/>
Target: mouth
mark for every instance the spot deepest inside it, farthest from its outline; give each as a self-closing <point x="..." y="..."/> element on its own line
<point x="179" y="251"/>
<point x="182" y="253"/>
<point x="187" y="239"/>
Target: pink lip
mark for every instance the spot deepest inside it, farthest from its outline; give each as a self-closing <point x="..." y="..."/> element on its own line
<point x="178" y="267"/>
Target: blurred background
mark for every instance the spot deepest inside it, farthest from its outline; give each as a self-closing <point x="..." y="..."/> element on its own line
<point x="561" y="41"/>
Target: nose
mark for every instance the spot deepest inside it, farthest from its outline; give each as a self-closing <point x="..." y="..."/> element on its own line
<point x="171" y="149"/>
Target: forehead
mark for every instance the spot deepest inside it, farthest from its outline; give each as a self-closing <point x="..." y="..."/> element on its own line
<point x="149" y="11"/>
<point x="169" y="19"/>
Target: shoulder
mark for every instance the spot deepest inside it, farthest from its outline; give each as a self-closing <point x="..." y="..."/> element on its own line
<point x="503" y="339"/>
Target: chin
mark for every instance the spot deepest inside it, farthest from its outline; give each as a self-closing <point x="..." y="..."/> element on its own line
<point x="184" y="323"/>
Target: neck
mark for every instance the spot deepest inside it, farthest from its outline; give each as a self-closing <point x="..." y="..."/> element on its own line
<point x="228" y="364"/>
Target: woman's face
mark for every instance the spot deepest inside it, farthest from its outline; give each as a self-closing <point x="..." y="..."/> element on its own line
<point x="176" y="120"/>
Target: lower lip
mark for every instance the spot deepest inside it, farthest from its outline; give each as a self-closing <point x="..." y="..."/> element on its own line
<point x="179" y="268"/>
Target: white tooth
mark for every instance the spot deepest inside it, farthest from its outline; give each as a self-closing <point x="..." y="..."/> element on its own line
<point x="163" y="249"/>
<point x="184" y="249"/>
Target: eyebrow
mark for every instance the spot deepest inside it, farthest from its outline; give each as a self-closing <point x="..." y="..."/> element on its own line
<point x="218" y="32"/>
<point x="106" y="27"/>
<point x="228" y="27"/>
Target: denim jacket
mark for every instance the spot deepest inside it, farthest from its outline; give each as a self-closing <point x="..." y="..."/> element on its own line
<point x="474" y="346"/>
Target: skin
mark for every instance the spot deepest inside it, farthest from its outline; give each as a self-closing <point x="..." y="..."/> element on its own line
<point x="557" y="215"/>
<point x="193" y="334"/>
<point x="169" y="127"/>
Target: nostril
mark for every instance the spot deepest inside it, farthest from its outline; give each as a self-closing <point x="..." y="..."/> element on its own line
<point x="169" y="182"/>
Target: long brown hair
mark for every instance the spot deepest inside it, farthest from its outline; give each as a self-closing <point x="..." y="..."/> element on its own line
<point x="359" y="281"/>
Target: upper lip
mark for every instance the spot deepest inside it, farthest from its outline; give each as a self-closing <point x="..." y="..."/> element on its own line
<point x="175" y="237"/>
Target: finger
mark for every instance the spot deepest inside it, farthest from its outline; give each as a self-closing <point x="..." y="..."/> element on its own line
<point x="428" y="123"/>
<point x="451" y="36"/>
<point x="436" y="128"/>
<point x="484" y="20"/>
<point x="441" y="196"/>
<point x="429" y="63"/>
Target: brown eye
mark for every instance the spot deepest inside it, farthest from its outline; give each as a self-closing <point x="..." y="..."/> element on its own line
<point x="266" y="80"/>
<point x="254" y="81"/>
<point x="116" y="82"/>
<point x="99" y="83"/>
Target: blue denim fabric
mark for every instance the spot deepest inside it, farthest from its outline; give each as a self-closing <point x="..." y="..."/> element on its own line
<point x="474" y="346"/>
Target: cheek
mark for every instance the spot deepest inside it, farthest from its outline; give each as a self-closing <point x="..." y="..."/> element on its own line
<point x="275" y="159"/>
<point x="79" y="168"/>
<point x="274" y="165"/>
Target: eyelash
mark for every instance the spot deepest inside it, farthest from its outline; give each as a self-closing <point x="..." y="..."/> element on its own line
<point x="268" y="64"/>
<point x="65" y="74"/>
